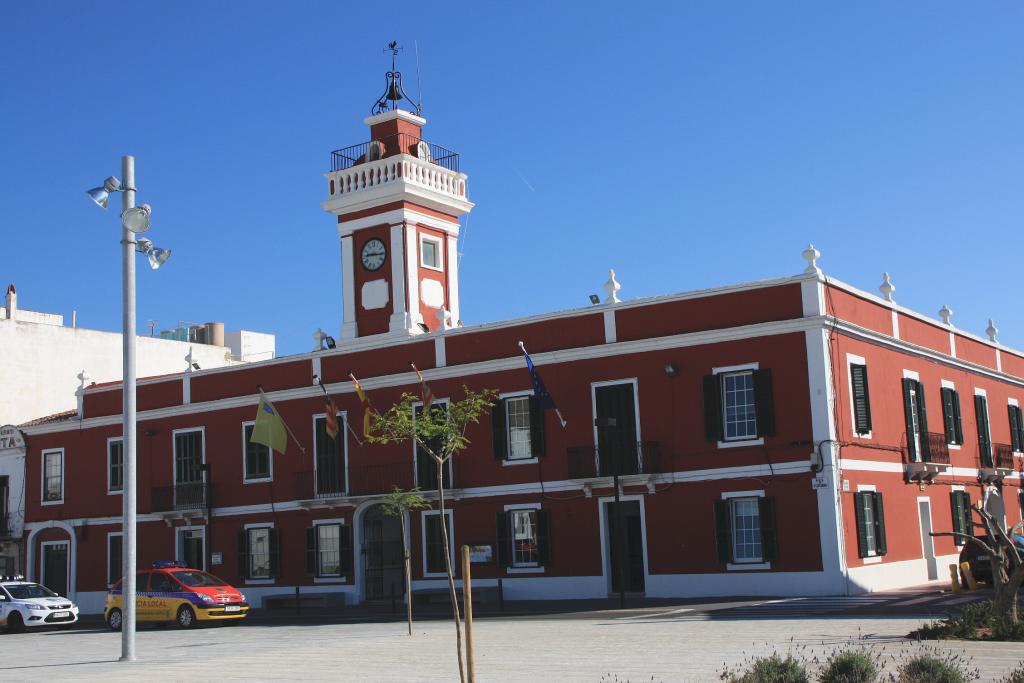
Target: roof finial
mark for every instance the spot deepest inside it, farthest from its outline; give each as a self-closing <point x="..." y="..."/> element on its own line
<point x="612" y="287"/>
<point x="946" y="313"/>
<point x="394" y="92"/>
<point x="811" y="255"/>
<point x="992" y="331"/>
<point x="887" y="287"/>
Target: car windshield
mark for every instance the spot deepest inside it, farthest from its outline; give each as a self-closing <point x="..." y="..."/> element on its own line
<point x="28" y="591"/>
<point x="197" y="579"/>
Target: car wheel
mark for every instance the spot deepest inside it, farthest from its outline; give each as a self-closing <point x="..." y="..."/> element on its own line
<point x="15" y="624"/>
<point x="114" y="619"/>
<point x="186" y="617"/>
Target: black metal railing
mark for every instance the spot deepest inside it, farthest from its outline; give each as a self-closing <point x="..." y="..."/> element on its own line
<point x="928" y="447"/>
<point x="399" y="143"/>
<point x="187" y="496"/>
<point x="585" y="462"/>
<point x="1002" y="456"/>
<point x="316" y="484"/>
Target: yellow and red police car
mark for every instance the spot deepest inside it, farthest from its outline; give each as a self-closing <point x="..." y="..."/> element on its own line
<point x="172" y="592"/>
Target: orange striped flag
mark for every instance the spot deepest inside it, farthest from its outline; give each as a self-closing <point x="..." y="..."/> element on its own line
<point x="367" y="406"/>
<point x="428" y="395"/>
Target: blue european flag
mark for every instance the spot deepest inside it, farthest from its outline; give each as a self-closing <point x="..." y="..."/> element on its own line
<point x="540" y="391"/>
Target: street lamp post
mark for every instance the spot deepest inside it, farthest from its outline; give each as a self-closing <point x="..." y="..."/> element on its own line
<point x="134" y="220"/>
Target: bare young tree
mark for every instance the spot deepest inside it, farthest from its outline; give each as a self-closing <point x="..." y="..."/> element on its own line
<point x="440" y="433"/>
<point x="1007" y="565"/>
<point x="399" y="503"/>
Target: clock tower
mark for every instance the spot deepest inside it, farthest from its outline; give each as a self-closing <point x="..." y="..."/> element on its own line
<point x="398" y="199"/>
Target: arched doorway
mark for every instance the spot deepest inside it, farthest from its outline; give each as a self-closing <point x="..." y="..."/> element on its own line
<point x="381" y="555"/>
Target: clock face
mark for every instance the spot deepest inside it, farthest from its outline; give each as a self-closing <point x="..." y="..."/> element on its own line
<point x="373" y="254"/>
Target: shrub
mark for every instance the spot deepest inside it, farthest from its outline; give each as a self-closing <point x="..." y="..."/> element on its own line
<point x="850" y="666"/>
<point x="771" y="669"/>
<point x="976" y="621"/>
<point x="935" y="667"/>
<point x="1015" y="676"/>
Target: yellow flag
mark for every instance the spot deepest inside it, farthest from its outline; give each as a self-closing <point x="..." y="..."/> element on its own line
<point x="269" y="429"/>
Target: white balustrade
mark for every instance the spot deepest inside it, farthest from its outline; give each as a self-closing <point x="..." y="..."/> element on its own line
<point x="401" y="167"/>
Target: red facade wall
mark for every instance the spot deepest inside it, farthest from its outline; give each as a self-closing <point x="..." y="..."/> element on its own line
<point x="395" y="359"/>
<point x="924" y="334"/>
<point x="242" y="381"/>
<point x="975" y="352"/>
<point x="373" y="321"/>
<point x="538" y="337"/>
<point x="848" y="306"/>
<point x="158" y="394"/>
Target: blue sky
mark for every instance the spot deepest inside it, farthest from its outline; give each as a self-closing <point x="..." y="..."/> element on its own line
<point x="686" y="145"/>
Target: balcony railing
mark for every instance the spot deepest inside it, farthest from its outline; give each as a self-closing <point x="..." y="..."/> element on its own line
<point x="187" y="496"/>
<point x="931" y="448"/>
<point x="587" y="462"/>
<point x="1002" y="456"/>
<point x="391" y="145"/>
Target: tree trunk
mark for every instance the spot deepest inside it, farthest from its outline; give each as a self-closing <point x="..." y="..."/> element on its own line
<point x="408" y="573"/>
<point x="1005" y="602"/>
<point x="448" y="567"/>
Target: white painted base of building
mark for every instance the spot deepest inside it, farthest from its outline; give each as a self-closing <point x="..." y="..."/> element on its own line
<point x="890" y="575"/>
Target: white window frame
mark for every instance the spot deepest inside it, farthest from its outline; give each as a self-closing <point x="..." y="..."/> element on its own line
<point x="636" y="408"/>
<point x="873" y="557"/>
<point x="174" y="452"/>
<point x="533" y="567"/>
<point x="743" y="566"/>
<point x="245" y="458"/>
<point x="42" y="477"/>
<point x="508" y="435"/>
<point x="451" y="541"/>
<point x="177" y="542"/>
<point x="342" y="416"/>
<point x="340" y="522"/>
<point x="736" y="442"/>
<point x="852" y="360"/>
<point x="947" y="384"/>
<point x="415" y="473"/>
<point x="248" y="544"/>
<point x="120" y="541"/>
<point x="438" y="246"/>
<point x="110" y="441"/>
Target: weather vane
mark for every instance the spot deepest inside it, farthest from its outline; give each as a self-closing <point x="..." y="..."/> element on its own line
<point x="393" y="89"/>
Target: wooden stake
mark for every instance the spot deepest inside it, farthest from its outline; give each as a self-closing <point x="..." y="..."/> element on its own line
<point x="467" y="599"/>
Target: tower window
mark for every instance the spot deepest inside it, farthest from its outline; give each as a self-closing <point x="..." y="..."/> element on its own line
<point x="430" y="252"/>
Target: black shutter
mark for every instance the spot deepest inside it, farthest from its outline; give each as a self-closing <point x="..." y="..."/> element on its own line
<point x="948" y="419"/>
<point x="1014" y="427"/>
<point x="984" y="438"/>
<point x="968" y="519"/>
<point x="769" y="536"/>
<point x="311" y="563"/>
<point x="957" y="419"/>
<point x="543" y="538"/>
<point x="860" y="501"/>
<point x="956" y="504"/>
<point x="922" y="423"/>
<point x="861" y="399"/>
<point x="713" y="408"/>
<point x="908" y="419"/>
<point x="499" y="430"/>
<point x="764" y="405"/>
<point x="243" y="554"/>
<point x="504" y="540"/>
<point x="536" y="427"/>
<point x="723" y="531"/>
<point x="881" y="548"/>
<point x="274" y="542"/>
<point x="345" y="546"/>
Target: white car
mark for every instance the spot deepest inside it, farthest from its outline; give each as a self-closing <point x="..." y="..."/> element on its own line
<point x="26" y="604"/>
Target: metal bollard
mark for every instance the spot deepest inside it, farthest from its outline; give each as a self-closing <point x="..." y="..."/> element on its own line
<point x="972" y="584"/>
<point x="501" y="596"/>
<point x="954" y="578"/>
<point x="298" y="602"/>
<point x="393" y="609"/>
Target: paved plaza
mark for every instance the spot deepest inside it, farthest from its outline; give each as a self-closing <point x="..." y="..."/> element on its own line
<point x="664" y="644"/>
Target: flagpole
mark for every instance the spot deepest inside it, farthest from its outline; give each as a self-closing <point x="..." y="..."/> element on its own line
<point x="320" y="383"/>
<point x="558" y="412"/>
<point x="286" y="427"/>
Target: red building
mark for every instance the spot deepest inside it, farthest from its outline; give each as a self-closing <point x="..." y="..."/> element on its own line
<point x="794" y="436"/>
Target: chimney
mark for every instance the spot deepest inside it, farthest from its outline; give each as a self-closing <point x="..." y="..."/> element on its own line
<point x="12" y="302"/>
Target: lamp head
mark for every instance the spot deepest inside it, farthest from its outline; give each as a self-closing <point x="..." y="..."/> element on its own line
<point x="100" y="196"/>
<point x="137" y="218"/>
<point x="143" y="245"/>
<point x="157" y="257"/>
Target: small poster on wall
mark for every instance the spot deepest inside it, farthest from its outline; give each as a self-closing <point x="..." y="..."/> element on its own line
<point x="481" y="553"/>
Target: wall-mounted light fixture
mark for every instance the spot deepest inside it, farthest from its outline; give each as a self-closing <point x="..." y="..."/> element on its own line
<point x="671" y="370"/>
<point x="595" y="299"/>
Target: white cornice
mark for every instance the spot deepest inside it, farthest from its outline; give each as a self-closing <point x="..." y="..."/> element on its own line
<point x="396" y="216"/>
<point x="395" y="114"/>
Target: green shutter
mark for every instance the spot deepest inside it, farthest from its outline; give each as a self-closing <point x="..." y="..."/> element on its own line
<point x="859" y="503"/>
<point x="723" y="531"/>
<point x="764" y="405"/>
<point x="908" y="419"/>
<point x="275" y="552"/>
<point x="543" y="538"/>
<point x="499" y="430"/>
<point x="769" y="535"/>
<point x="922" y="423"/>
<point x="984" y="436"/>
<point x="345" y="546"/>
<point x="958" y="419"/>
<point x="504" y="553"/>
<point x="536" y="428"/>
<point x="968" y="520"/>
<point x="861" y="399"/>
<point x="311" y="563"/>
<point x="956" y="505"/>
<point x="1014" y="427"/>
<point x="713" y="428"/>
<point x="948" y="421"/>
<point x="243" y="554"/>
<point x="881" y="548"/>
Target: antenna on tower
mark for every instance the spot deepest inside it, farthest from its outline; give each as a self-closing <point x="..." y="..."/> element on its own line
<point x="419" y="83"/>
<point x="152" y="326"/>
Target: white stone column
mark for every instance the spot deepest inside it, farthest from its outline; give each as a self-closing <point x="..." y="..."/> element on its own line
<point x="412" y="262"/>
<point x="348" y="287"/>
<point x="453" y="276"/>
<point x="399" y="313"/>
